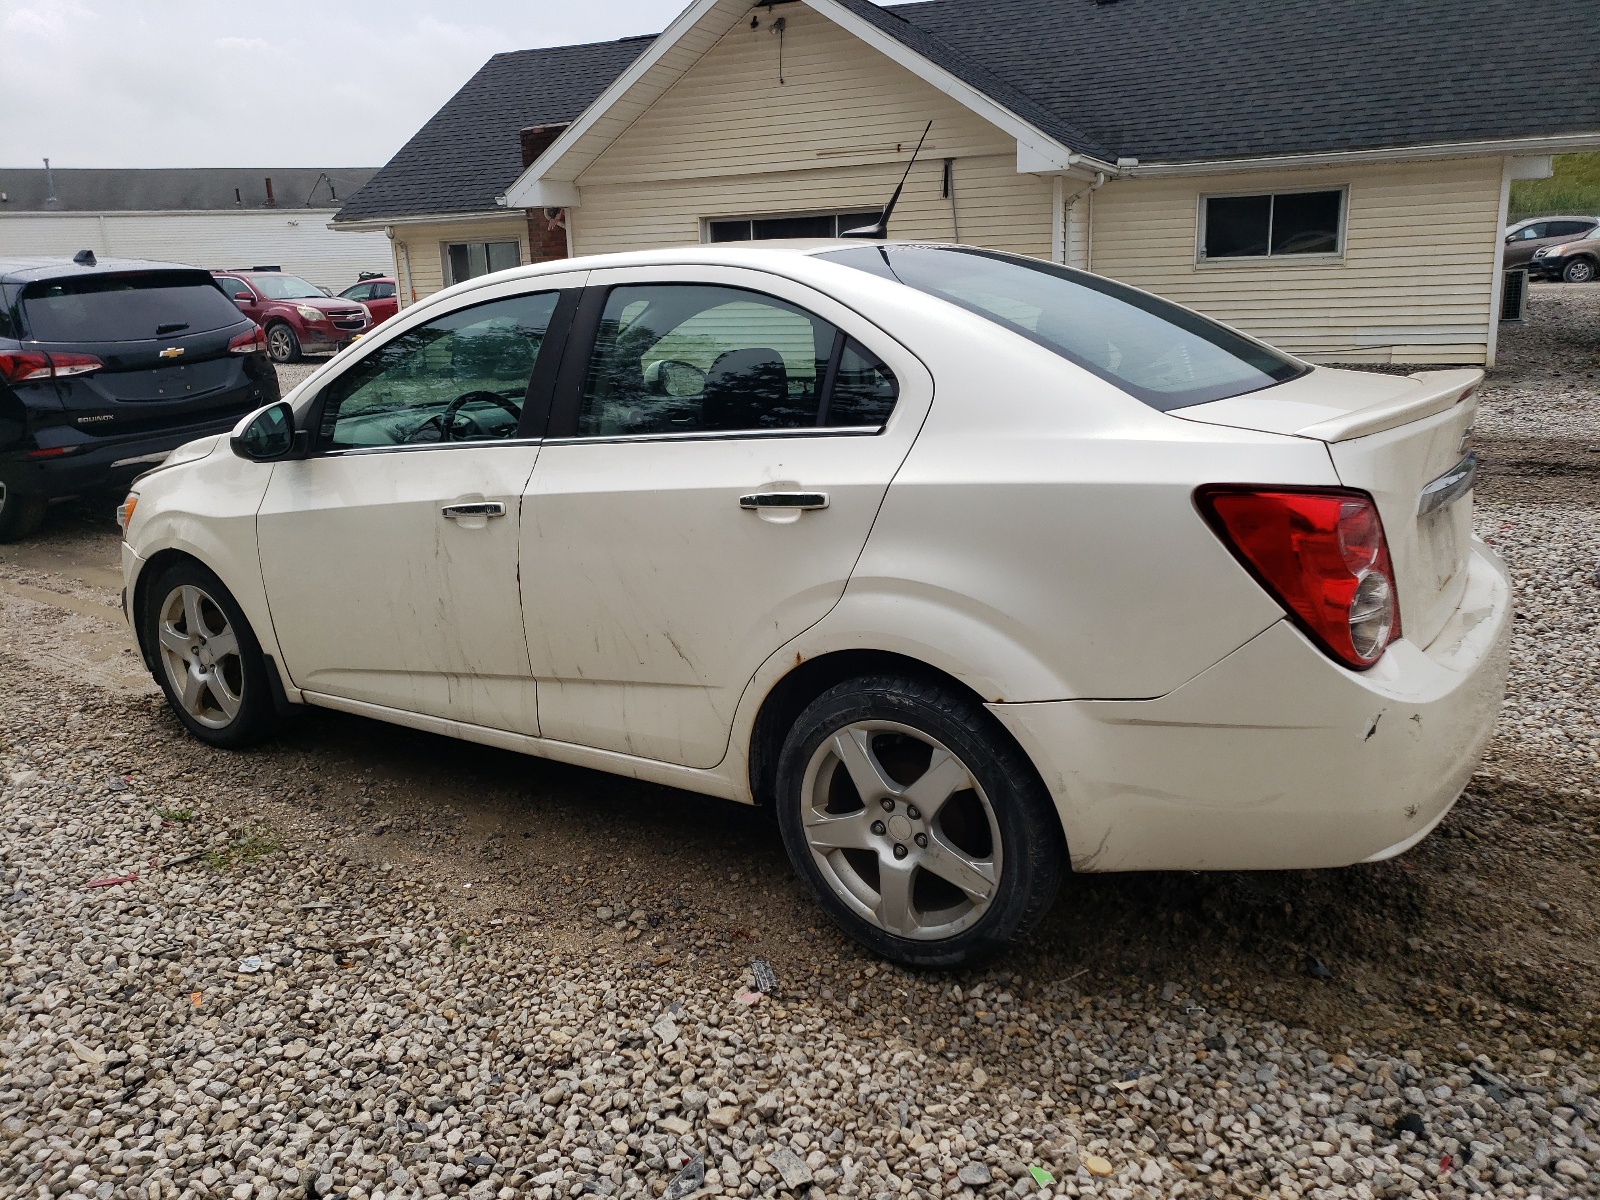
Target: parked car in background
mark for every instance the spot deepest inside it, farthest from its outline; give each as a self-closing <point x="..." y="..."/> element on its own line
<point x="971" y="566"/>
<point x="1576" y="260"/>
<point x="106" y="366"/>
<point x="297" y="316"/>
<point x="377" y="292"/>
<point x="1527" y="238"/>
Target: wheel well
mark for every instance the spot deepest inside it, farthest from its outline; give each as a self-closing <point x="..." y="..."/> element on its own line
<point x="157" y="563"/>
<point x="808" y="680"/>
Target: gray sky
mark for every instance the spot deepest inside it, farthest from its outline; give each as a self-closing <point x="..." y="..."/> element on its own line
<point x="280" y="83"/>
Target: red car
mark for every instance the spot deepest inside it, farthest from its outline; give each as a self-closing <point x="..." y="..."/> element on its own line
<point x="298" y="316"/>
<point x="377" y="292"/>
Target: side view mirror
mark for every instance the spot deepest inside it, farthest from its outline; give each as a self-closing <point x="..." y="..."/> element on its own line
<point x="268" y="434"/>
<point x="242" y="297"/>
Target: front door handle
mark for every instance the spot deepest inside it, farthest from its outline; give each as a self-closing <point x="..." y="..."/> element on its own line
<point x="803" y="501"/>
<point x="454" y="512"/>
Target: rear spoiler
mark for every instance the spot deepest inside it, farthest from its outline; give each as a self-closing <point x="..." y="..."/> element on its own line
<point x="1434" y="392"/>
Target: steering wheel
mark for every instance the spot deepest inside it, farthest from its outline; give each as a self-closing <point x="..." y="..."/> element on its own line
<point x="445" y="422"/>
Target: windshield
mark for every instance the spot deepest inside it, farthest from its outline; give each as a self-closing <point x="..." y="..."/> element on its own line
<point x="1152" y="349"/>
<point x="285" y="287"/>
<point x="125" y="308"/>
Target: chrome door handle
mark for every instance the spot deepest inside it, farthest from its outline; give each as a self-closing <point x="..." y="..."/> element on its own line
<point x="452" y="512"/>
<point x="805" y="501"/>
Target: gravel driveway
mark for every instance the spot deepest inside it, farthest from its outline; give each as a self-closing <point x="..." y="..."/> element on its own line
<point x="369" y="963"/>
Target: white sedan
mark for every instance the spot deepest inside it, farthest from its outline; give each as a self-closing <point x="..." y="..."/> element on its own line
<point x="974" y="568"/>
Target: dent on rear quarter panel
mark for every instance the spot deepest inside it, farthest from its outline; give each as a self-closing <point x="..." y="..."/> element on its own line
<point x="207" y="509"/>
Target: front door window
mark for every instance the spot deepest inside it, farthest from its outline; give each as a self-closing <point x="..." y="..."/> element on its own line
<point x="460" y="378"/>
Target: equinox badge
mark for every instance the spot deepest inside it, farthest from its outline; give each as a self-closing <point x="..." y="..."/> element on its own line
<point x="172" y="352"/>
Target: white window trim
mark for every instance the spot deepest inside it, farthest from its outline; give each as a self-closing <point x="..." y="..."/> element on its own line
<point x="706" y="222"/>
<point x="444" y="255"/>
<point x="1275" y="260"/>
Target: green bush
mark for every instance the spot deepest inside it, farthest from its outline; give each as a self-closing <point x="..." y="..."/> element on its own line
<point x="1573" y="188"/>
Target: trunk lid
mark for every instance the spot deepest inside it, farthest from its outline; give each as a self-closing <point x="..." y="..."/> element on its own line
<point x="1406" y="440"/>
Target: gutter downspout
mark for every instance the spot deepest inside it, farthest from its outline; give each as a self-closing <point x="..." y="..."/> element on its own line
<point x="1497" y="281"/>
<point x="1065" y="207"/>
<point x="404" y="259"/>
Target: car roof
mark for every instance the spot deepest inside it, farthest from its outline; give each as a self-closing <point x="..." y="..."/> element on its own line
<point x="1552" y="217"/>
<point x="28" y="269"/>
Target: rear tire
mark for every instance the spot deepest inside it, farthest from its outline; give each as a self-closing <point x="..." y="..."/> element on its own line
<point x="282" y="344"/>
<point x="918" y="825"/>
<point x="1579" y="270"/>
<point x="207" y="659"/>
<point x="20" y="515"/>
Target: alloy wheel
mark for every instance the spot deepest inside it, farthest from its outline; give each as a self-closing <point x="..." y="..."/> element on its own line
<point x="901" y="831"/>
<point x="279" y="343"/>
<point x="200" y="652"/>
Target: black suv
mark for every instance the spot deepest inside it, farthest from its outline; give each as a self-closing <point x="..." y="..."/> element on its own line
<point x="107" y="366"/>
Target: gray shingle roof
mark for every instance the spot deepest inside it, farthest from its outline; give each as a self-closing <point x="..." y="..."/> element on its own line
<point x="1171" y="80"/>
<point x="194" y="189"/>
<point x="468" y="153"/>
<point x="1157" y="80"/>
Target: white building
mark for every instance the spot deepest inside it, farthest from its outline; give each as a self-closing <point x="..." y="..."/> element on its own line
<point x="214" y="217"/>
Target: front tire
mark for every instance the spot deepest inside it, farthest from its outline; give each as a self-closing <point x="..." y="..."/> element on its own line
<point x="1579" y="270"/>
<point x="207" y="659"/>
<point x="20" y="515"/>
<point x="282" y="344"/>
<point x="918" y="825"/>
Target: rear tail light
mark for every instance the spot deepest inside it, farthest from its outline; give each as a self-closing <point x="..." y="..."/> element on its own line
<point x="1322" y="555"/>
<point x="249" y="343"/>
<point x="25" y="366"/>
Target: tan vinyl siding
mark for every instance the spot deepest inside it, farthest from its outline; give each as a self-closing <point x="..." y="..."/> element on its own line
<point x="426" y="245"/>
<point x="729" y="140"/>
<point x="1413" y="284"/>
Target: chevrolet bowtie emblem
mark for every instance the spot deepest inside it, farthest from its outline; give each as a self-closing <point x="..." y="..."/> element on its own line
<point x="172" y="352"/>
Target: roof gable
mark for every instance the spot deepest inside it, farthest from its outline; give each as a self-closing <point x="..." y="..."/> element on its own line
<point x="463" y="158"/>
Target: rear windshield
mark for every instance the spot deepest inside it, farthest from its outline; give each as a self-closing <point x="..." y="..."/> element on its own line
<point x="1160" y="353"/>
<point x="126" y="308"/>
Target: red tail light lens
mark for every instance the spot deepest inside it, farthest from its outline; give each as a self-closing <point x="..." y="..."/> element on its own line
<point x="75" y="364"/>
<point x="24" y="366"/>
<point x="28" y="365"/>
<point x="1322" y="555"/>
<point x="249" y="343"/>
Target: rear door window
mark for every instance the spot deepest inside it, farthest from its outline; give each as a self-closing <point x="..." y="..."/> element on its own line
<point x="701" y="358"/>
<point x="125" y="308"/>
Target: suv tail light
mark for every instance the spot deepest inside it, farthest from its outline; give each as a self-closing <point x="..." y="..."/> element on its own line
<point x="1320" y="553"/>
<point x="24" y="366"/>
<point x="249" y="343"/>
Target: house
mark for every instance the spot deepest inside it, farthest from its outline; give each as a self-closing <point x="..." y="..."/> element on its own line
<point x="1331" y="177"/>
<point x="207" y="217"/>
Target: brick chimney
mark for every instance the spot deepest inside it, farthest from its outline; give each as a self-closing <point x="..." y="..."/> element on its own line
<point x="547" y="227"/>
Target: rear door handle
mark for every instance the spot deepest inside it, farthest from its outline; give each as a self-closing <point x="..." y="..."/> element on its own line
<point x="454" y="512"/>
<point x="804" y="501"/>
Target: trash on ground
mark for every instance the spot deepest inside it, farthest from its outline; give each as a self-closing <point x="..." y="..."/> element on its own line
<point x="250" y="965"/>
<point x="789" y="1165"/>
<point x="749" y="998"/>
<point x="1316" y="968"/>
<point x="761" y="971"/>
<point x="675" y="1125"/>
<point x="100" y="883"/>
<point x="1095" y="1165"/>
<point x="1042" y="1177"/>
<point x="86" y="1054"/>
<point x="686" y="1180"/>
<point x="195" y="998"/>
<point x="186" y="859"/>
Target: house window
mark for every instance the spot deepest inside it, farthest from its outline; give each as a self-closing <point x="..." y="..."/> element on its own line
<point x="811" y="225"/>
<point x="1276" y="225"/>
<point x="468" y="260"/>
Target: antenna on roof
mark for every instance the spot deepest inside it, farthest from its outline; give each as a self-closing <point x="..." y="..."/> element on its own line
<point x="50" y="185"/>
<point x="880" y="230"/>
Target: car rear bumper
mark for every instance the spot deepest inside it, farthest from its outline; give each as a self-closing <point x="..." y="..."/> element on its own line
<point x="1277" y="757"/>
<point x="103" y="466"/>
